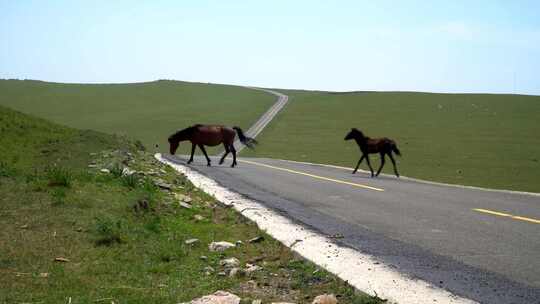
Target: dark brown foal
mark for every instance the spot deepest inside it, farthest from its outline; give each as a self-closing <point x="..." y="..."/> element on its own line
<point x="383" y="146"/>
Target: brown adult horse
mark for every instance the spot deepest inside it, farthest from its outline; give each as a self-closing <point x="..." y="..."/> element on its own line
<point x="210" y="135"/>
<point x="383" y="146"/>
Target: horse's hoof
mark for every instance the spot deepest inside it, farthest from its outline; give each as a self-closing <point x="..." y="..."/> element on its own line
<point x="209" y="165"/>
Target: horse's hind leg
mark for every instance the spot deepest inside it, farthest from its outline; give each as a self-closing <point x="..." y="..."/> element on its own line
<point x="369" y="165"/>
<point x="233" y="150"/>
<point x="358" y="164"/>
<point x="224" y="154"/>
<point x="382" y="165"/>
<point x="393" y="163"/>
<point x="205" y="155"/>
<point x="192" y="152"/>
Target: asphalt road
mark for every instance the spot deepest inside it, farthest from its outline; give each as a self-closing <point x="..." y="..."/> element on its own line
<point x="483" y="245"/>
<point x="265" y="119"/>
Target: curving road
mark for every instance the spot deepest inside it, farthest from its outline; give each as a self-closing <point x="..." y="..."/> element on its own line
<point x="482" y="245"/>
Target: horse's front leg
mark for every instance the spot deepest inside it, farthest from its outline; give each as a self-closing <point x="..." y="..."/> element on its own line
<point x="205" y="155"/>
<point x="192" y="152"/>
<point x="369" y="165"/>
<point x="358" y="164"/>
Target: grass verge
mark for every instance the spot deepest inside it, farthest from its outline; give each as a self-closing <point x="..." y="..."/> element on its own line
<point x="88" y="218"/>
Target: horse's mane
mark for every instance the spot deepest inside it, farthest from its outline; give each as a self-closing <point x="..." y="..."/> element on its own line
<point x="184" y="132"/>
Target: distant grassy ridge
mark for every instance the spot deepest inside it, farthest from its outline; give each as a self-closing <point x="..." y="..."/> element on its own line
<point x="146" y="111"/>
<point x="485" y="140"/>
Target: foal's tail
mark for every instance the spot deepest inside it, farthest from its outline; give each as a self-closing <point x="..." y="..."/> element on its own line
<point x="248" y="141"/>
<point x="395" y="149"/>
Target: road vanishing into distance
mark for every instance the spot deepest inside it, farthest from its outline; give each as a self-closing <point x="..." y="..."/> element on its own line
<point x="476" y="243"/>
<point x="482" y="245"/>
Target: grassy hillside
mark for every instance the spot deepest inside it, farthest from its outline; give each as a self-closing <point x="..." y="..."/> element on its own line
<point x="472" y="139"/>
<point x="145" y="111"/>
<point x="74" y="234"/>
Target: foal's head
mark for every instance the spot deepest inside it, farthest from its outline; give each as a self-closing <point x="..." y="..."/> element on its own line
<point x="354" y="134"/>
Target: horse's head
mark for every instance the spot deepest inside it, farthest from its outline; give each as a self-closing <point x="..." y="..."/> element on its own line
<point x="354" y="133"/>
<point x="173" y="144"/>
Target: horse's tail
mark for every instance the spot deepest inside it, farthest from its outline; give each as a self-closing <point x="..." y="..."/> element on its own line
<point x="248" y="141"/>
<point x="395" y="149"/>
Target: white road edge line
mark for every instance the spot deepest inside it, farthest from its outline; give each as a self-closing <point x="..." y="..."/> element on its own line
<point x="362" y="271"/>
<point x="414" y="179"/>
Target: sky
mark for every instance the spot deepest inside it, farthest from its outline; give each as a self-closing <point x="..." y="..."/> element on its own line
<point x="436" y="46"/>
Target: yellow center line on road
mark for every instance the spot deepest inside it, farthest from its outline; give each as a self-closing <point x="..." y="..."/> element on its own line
<point x="515" y="217"/>
<point x="313" y="175"/>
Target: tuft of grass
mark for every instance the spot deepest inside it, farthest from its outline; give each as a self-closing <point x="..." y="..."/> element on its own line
<point x="117" y="170"/>
<point x="6" y="170"/>
<point x="108" y="230"/>
<point x="131" y="181"/>
<point x="59" y="177"/>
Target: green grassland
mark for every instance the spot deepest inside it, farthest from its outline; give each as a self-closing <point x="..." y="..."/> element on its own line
<point x="148" y="111"/>
<point x="121" y="238"/>
<point x="483" y="140"/>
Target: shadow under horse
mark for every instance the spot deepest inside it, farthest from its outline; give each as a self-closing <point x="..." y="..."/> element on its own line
<point x="210" y="135"/>
<point x="383" y="146"/>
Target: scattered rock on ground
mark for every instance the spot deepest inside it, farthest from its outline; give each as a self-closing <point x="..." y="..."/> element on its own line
<point x="203" y="257"/>
<point x="208" y="270"/>
<point x="191" y="241"/>
<point x="61" y="259"/>
<point x="104" y="170"/>
<point x="236" y="271"/>
<point x="218" y="297"/>
<point x="163" y="185"/>
<point x="229" y="263"/>
<point x="185" y="205"/>
<point x="127" y="171"/>
<point x="325" y="299"/>
<point x="198" y="217"/>
<point x="220" y="246"/>
<point x="239" y="243"/>
<point x="250" y="268"/>
<point x="183" y="198"/>
<point x="256" y="239"/>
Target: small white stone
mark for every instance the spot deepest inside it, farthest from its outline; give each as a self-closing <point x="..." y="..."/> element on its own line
<point x="229" y="263"/>
<point x="220" y="246"/>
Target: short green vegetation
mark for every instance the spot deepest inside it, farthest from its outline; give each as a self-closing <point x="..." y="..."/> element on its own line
<point x="472" y="139"/>
<point x="89" y="218"/>
<point x="149" y="112"/>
